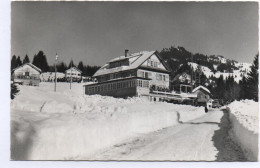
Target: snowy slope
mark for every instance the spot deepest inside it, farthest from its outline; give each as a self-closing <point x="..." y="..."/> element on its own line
<point x="244" y="68"/>
<point x="67" y="124"/>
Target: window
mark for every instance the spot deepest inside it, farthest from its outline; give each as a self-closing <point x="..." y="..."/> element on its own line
<point x="140" y="83"/>
<point x="164" y="78"/>
<point x="160" y="77"/>
<point x="151" y="63"/>
<point x="27" y="73"/>
<point x="155" y="64"/>
<point x="146" y="75"/>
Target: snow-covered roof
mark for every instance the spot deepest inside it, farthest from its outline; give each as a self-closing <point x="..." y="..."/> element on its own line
<point x="200" y="87"/>
<point x="135" y="60"/>
<point x="31" y="65"/>
<point x="74" y="69"/>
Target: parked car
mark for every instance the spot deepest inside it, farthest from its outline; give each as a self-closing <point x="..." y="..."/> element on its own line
<point x="216" y="104"/>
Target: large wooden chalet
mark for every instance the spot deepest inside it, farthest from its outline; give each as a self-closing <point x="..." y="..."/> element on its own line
<point x="26" y="74"/>
<point x="131" y="75"/>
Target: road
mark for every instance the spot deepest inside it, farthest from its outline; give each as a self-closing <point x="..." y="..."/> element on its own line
<point x="203" y="139"/>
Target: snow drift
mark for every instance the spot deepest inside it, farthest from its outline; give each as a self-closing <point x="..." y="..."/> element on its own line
<point x="67" y="125"/>
<point x="244" y="119"/>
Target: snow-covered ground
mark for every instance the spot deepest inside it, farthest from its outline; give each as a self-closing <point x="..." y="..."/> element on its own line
<point x="68" y="125"/>
<point x="244" y="117"/>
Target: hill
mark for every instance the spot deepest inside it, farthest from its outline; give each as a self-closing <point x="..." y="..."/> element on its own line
<point x="211" y="66"/>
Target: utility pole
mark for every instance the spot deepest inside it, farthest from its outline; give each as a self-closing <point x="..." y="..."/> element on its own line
<point x="191" y="69"/>
<point x="56" y="59"/>
<point x="70" y="74"/>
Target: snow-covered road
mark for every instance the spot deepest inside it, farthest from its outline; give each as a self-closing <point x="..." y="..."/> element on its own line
<point x="203" y="139"/>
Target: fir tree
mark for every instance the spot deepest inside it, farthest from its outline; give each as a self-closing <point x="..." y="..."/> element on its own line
<point x="252" y="80"/>
<point x="13" y="62"/>
<point x="40" y="61"/>
<point x="14" y="90"/>
<point x="26" y="59"/>
<point x="62" y="67"/>
<point x="220" y="88"/>
<point x="81" y="66"/>
<point x="71" y="64"/>
<point x="18" y="61"/>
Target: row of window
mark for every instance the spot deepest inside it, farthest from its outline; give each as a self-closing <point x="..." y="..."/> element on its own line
<point x="73" y="74"/>
<point x="118" y="85"/>
<point x="160" y="77"/>
<point x="153" y="63"/>
<point x="143" y="83"/>
<point x="111" y="86"/>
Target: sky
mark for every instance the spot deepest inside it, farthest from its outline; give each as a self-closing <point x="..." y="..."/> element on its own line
<point x="95" y="32"/>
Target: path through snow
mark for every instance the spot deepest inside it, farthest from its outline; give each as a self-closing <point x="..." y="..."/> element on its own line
<point x="203" y="139"/>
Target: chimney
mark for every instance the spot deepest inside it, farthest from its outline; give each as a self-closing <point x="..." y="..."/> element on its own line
<point x="126" y="53"/>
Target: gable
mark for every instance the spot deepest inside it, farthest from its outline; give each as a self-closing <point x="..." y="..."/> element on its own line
<point x="74" y="70"/>
<point x="154" y="62"/>
<point x="25" y="68"/>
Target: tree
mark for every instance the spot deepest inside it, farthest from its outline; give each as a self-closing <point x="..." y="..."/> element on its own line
<point x="71" y="64"/>
<point x="40" y="61"/>
<point x="90" y="70"/>
<point x="252" y="80"/>
<point x="18" y="61"/>
<point x="243" y="94"/>
<point x="62" y="67"/>
<point x="13" y="62"/>
<point x="26" y="59"/>
<point x="81" y="66"/>
<point x="14" y="90"/>
<point x="220" y="88"/>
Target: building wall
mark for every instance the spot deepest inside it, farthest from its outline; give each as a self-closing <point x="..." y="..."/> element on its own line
<point x="26" y="75"/>
<point x="124" y="88"/>
<point x="202" y="96"/>
<point x="154" y="62"/>
<point x="157" y="78"/>
<point x="26" y="68"/>
<point x="74" y="72"/>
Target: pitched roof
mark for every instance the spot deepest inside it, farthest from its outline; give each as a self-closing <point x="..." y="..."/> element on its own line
<point x="135" y="60"/>
<point x="200" y="87"/>
<point x="31" y="65"/>
<point x="74" y="68"/>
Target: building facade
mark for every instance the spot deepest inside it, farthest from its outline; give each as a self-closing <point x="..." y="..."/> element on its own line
<point x="131" y="75"/>
<point x="26" y="74"/>
<point x="73" y="74"/>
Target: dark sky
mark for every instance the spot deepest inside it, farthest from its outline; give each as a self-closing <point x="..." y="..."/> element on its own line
<point x="95" y="32"/>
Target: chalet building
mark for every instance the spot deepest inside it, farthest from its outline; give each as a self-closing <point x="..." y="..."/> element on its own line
<point x="202" y="94"/>
<point x="182" y="83"/>
<point x="131" y="75"/>
<point x="73" y="74"/>
<point x="26" y="74"/>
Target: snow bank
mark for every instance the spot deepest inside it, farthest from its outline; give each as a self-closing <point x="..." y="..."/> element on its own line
<point x="68" y="125"/>
<point x="244" y="119"/>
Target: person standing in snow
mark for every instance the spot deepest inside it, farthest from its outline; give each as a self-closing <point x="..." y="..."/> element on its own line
<point x="206" y="109"/>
